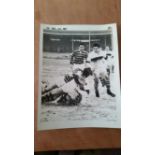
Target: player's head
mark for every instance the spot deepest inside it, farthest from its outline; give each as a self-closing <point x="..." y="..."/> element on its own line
<point x="96" y="47"/>
<point x="80" y="78"/>
<point x="81" y="47"/>
<point x="87" y="72"/>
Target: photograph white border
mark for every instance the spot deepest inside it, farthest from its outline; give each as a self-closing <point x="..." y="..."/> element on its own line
<point x="86" y="123"/>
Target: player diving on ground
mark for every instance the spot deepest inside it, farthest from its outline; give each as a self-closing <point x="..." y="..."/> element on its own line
<point x="69" y="92"/>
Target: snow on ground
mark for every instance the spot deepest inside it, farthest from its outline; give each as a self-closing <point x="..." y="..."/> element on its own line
<point x="55" y="66"/>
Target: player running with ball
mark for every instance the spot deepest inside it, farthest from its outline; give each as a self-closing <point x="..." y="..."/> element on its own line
<point x="97" y="59"/>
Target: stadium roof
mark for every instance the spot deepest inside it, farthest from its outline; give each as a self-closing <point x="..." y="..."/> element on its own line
<point x="107" y="32"/>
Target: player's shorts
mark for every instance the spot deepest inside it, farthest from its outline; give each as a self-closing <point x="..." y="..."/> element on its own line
<point x="100" y="72"/>
<point x="70" y="89"/>
<point x="78" y="68"/>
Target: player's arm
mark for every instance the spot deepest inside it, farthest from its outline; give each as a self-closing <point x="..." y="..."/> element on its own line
<point x="88" y="60"/>
<point x="85" y="58"/>
<point x="72" y="58"/>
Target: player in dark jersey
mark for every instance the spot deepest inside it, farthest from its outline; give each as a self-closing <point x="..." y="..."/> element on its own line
<point x="78" y="59"/>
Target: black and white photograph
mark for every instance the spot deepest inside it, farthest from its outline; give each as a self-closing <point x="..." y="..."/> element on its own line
<point x="79" y="83"/>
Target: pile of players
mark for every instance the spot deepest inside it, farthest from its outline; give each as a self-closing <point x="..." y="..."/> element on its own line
<point x="83" y="65"/>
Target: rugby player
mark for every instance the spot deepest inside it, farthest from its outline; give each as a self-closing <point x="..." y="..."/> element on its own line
<point x="78" y="60"/>
<point x="97" y="59"/>
<point x="69" y="92"/>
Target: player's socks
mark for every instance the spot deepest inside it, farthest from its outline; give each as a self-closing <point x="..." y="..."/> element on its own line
<point x="110" y="93"/>
<point x="97" y="93"/>
<point x="102" y="82"/>
<point x="96" y="82"/>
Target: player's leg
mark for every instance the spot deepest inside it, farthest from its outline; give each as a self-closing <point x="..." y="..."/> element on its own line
<point x="96" y="83"/>
<point x="105" y="80"/>
<point x="46" y="90"/>
<point x="52" y="94"/>
<point x="56" y="91"/>
<point x="108" y="86"/>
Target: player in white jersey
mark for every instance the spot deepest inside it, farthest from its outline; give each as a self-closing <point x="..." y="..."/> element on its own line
<point x="69" y="92"/>
<point x="97" y="59"/>
<point x="110" y="60"/>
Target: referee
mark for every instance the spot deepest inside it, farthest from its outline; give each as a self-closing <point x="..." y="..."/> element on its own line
<point x="78" y="59"/>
